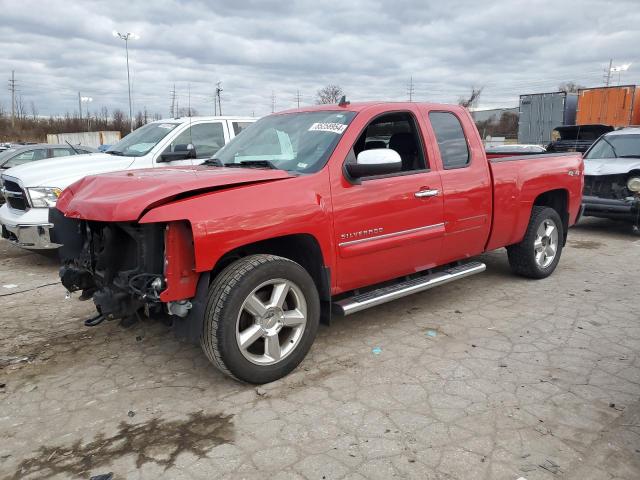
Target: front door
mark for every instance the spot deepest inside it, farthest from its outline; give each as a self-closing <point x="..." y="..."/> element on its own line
<point x="388" y="226"/>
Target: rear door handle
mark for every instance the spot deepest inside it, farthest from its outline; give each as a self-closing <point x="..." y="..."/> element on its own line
<point x="427" y="193"/>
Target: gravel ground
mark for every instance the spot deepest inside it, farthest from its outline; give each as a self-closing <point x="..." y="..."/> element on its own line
<point x="491" y="377"/>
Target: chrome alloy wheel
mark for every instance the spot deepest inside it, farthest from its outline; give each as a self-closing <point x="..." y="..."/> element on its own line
<point x="546" y="243"/>
<point x="271" y="321"/>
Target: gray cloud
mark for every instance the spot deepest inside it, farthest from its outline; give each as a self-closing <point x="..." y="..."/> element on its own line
<point x="58" y="48"/>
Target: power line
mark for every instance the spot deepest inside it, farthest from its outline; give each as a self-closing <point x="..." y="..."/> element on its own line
<point x="172" y="112"/>
<point x="410" y="89"/>
<point x="298" y="98"/>
<point x="12" y="89"/>
<point x="217" y="99"/>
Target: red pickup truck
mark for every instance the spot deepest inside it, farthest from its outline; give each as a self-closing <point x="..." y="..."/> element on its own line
<point x="312" y="211"/>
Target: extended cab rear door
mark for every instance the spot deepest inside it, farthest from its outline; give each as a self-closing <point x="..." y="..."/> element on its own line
<point x="392" y="225"/>
<point x="466" y="181"/>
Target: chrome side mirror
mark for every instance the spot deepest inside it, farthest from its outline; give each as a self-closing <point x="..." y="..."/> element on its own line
<point x="377" y="161"/>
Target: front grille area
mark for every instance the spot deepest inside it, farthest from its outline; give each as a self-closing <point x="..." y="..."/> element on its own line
<point x="606" y="186"/>
<point x="16" y="197"/>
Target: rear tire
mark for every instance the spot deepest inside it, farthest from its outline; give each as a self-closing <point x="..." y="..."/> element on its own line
<point x="538" y="254"/>
<point x="261" y="318"/>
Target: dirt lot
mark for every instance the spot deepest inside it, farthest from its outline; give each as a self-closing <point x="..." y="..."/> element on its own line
<point x="492" y="377"/>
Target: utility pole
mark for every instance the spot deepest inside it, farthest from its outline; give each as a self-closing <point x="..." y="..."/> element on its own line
<point x="218" y="98"/>
<point x="298" y="98"/>
<point x="410" y="89"/>
<point x="189" y="99"/>
<point x="609" y="72"/>
<point x="12" y="88"/>
<point x="273" y="101"/>
<point x="173" y="102"/>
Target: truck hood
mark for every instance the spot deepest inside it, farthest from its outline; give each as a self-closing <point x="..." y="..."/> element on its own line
<point x="63" y="171"/>
<point x="610" y="166"/>
<point x="125" y="196"/>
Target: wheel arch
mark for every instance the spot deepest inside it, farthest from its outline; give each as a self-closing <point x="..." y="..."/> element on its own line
<point x="302" y="248"/>
<point x="557" y="199"/>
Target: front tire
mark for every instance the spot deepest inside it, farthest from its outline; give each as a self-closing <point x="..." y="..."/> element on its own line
<point x="261" y="318"/>
<point x="538" y="254"/>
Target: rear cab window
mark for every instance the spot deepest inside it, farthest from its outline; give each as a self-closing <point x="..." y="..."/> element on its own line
<point x="452" y="142"/>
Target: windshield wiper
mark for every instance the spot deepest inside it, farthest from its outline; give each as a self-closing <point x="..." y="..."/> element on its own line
<point x="114" y="152"/>
<point x="72" y="147"/>
<point x="253" y="164"/>
<point x="213" y="162"/>
<point x="630" y="156"/>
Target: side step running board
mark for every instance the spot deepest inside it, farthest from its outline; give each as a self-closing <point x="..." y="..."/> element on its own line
<point x="354" y="304"/>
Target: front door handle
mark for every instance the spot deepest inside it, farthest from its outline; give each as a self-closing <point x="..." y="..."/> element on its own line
<point x="427" y="193"/>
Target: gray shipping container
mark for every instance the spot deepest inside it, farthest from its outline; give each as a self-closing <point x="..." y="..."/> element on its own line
<point x="540" y="113"/>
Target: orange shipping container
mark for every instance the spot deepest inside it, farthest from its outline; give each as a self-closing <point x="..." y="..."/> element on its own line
<point x="615" y="106"/>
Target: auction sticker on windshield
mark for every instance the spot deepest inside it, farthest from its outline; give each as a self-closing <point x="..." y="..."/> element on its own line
<point x="328" y="127"/>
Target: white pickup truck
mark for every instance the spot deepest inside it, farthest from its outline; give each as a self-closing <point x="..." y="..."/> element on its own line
<point x="31" y="189"/>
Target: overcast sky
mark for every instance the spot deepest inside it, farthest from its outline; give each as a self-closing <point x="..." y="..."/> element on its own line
<point x="371" y="49"/>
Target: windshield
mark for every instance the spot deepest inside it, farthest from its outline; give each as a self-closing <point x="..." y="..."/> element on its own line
<point x="6" y="154"/>
<point x="298" y="142"/>
<point x="613" y="146"/>
<point x="142" y="140"/>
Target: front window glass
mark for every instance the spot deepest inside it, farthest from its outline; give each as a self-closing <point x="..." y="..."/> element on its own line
<point x="299" y="142"/>
<point x="63" y="152"/>
<point x="142" y="140"/>
<point x="615" y="146"/>
<point x="207" y="139"/>
<point x="239" y="126"/>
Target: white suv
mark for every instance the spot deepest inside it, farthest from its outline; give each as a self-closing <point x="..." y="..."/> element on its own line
<point x="31" y="189"/>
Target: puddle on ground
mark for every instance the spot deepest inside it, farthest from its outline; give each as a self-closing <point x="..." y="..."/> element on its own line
<point x="585" y="244"/>
<point x="155" y="441"/>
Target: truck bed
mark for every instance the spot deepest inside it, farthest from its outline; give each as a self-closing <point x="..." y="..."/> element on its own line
<point x="518" y="182"/>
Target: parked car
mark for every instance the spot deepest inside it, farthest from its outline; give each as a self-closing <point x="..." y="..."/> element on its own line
<point x="20" y="154"/>
<point x="499" y="151"/>
<point x="297" y="218"/>
<point x="612" y="177"/>
<point x="31" y="189"/>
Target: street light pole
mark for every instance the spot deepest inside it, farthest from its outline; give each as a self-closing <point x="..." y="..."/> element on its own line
<point x="126" y="37"/>
<point x="86" y="100"/>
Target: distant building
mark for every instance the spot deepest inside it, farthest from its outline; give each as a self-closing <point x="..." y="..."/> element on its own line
<point x="492" y="115"/>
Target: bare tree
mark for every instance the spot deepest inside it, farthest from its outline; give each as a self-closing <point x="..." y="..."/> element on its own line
<point x="329" y="94"/>
<point x="34" y="110"/>
<point x="21" y="108"/>
<point x="472" y="99"/>
<point x="570" y="87"/>
<point x="119" y="118"/>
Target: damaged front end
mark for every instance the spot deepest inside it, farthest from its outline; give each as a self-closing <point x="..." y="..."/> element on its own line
<point x="613" y="196"/>
<point x="128" y="269"/>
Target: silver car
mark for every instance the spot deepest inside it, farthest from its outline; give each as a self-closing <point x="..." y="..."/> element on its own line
<point x="16" y="155"/>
